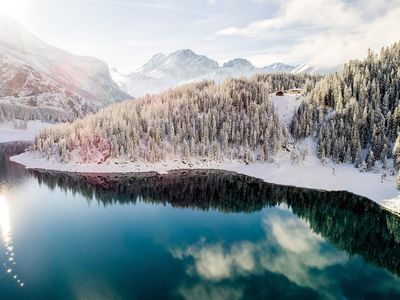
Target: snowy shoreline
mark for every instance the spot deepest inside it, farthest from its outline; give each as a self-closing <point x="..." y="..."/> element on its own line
<point x="310" y="173"/>
<point x="10" y="134"/>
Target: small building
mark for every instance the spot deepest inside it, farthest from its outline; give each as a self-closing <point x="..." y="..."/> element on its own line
<point x="279" y="93"/>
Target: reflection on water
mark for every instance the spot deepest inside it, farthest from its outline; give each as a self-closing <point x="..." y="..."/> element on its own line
<point x="191" y="235"/>
<point x="288" y="248"/>
<point x="5" y="221"/>
<point x="352" y="223"/>
<point x="9" y="262"/>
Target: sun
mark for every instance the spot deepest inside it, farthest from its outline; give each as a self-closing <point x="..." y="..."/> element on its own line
<point x="16" y="9"/>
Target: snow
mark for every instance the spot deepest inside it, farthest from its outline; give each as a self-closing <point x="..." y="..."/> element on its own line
<point x="9" y="134"/>
<point x="285" y="106"/>
<point x="162" y="72"/>
<point x="305" y="68"/>
<point x="310" y="173"/>
<point x="118" y="77"/>
<point x="86" y="76"/>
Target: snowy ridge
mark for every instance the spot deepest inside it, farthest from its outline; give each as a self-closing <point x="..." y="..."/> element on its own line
<point x="162" y="71"/>
<point x="305" y="68"/>
<point x="51" y="76"/>
<point x="35" y="93"/>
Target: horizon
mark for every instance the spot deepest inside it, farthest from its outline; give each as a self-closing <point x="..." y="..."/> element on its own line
<point x="126" y="34"/>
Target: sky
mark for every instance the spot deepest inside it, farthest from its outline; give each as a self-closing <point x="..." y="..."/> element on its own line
<point x="126" y="33"/>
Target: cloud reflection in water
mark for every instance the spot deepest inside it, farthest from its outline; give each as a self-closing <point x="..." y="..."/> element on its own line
<point x="289" y="248"/>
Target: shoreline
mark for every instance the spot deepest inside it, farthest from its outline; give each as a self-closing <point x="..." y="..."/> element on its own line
<point x="9" y="134"/>
<point x="310" y="174"/>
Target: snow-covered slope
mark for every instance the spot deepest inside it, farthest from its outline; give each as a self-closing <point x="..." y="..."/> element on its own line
<point x="181" y="64"/>
<point x="312" y="69"/>
<point x="278" y="68"/>
<point x="166" y="71"/>
<point x="11" y="133"/>
<point x="34" y="69"/>
<point x="27" y="93"/>
<point x="305" y="68"/>
<point x="285" y="106"/>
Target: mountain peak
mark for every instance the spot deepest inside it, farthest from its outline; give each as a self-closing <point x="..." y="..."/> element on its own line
<point x="188" y="56"/>
<point x="238" y="62"/>
<point x="178" y="65"/>
<point x="184" y="52"/>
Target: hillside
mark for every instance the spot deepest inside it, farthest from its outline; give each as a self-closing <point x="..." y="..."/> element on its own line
<point x="39" y="79"/>
<point x="26" y="93"/>
<point x="234" y="120"/>
<point x="354" y="115"/>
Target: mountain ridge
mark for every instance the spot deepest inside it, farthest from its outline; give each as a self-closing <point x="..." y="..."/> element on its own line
<point x="162" y="71"/>
<point x="74" y="77"/>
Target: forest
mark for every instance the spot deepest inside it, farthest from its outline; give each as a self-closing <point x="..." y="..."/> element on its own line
<point x="231" y="120"/>
<point x="354" y="114"/>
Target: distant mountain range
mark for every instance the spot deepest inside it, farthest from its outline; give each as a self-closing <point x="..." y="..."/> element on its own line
<point x="35" y="74"/>
<point x="165" y="71"/>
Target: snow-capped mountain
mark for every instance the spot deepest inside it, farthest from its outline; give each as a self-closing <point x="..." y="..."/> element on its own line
<point x="30" y="64"/>
<point x="305" y="68"/>
<point x="180" y="64"/>
<point x="278" y="68"/>
<point x="165" y="71"/>
<point x="26" y="92"/>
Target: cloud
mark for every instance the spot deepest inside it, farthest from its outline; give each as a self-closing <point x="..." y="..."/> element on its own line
<point x="331" y="31"/>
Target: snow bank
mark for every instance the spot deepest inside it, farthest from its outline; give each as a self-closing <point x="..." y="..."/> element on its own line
<point x="9" y="134"/>
<point x="310" y="173"/>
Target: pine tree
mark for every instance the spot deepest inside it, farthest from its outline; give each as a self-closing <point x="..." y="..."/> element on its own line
<point x="396" y="154"/>
<point x="370" y="160"/>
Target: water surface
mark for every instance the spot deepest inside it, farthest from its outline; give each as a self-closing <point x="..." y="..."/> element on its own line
<point x="189" y="235"/>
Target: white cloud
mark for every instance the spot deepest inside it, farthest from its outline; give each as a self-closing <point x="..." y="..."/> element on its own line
<point x="333" y="31"/>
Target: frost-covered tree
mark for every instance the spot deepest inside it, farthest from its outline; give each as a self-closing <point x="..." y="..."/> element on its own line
<point x="357" y="108"/>
<point x="232" y="120"/>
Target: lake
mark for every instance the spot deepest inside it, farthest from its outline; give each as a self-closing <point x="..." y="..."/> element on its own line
<point x="188" y="235"/>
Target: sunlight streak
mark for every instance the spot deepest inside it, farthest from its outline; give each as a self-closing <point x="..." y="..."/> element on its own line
<point x="5" y="221"/>
<point x="10" y="263"/>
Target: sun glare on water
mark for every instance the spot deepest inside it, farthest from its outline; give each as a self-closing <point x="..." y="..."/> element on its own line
<point x="9" y="264"/>
<point x="4" y="220"/>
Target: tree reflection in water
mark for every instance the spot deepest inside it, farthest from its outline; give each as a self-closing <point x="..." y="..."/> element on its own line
<point x="350" y="222"/>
